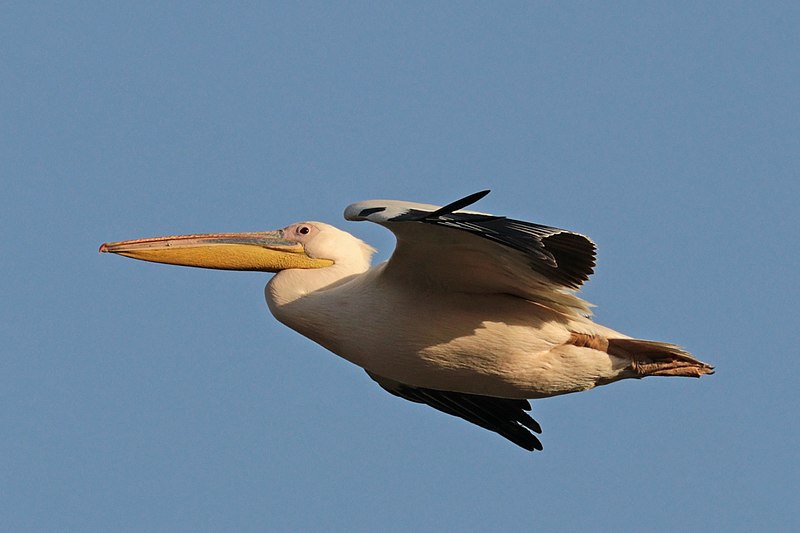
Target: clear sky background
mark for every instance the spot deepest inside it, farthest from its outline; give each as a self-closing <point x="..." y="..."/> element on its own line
<point x="140" y="397"/>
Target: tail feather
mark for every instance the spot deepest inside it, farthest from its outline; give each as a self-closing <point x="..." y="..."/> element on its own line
<point x="650" y="358"/>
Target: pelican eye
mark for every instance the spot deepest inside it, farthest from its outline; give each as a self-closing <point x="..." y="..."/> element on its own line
<point x="303" y="230"/>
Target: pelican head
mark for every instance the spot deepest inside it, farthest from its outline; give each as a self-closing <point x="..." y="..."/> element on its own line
<point x="304" y="245"/>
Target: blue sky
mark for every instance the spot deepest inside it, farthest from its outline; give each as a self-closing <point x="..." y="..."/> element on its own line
<point x="144" y="397"/>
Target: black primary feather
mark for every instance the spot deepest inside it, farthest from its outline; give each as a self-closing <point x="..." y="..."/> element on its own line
<point x="508" y="418"/>
<point x="562" y="256"/>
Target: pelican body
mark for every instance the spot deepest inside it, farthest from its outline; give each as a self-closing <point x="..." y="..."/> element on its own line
<point x="474" y="314"/>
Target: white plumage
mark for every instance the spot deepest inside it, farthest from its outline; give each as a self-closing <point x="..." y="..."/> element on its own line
<point x="473" y="314"/>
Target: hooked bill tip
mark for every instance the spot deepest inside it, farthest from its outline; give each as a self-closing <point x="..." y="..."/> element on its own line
<point x="103" y="248"/>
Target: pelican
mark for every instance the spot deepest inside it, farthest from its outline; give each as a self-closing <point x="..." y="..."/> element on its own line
<point x="473" y="314"/>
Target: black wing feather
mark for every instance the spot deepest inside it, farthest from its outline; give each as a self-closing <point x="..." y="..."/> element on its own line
<point x="506" y="417"/>
<point x="562" y="256"/>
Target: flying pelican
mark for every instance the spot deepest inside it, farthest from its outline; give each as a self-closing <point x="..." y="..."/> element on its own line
<point x="473" y="314"/>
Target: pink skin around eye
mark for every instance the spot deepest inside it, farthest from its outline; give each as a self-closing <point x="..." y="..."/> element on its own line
<point x="300" y="231"/>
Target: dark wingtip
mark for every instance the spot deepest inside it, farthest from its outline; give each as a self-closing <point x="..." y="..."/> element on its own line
<point x="459" y="204"/>
<point x="529" y="442"/>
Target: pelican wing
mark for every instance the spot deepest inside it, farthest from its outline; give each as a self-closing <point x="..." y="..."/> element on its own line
<point x="506" y="417"/>
<point x="475" y="252"/>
